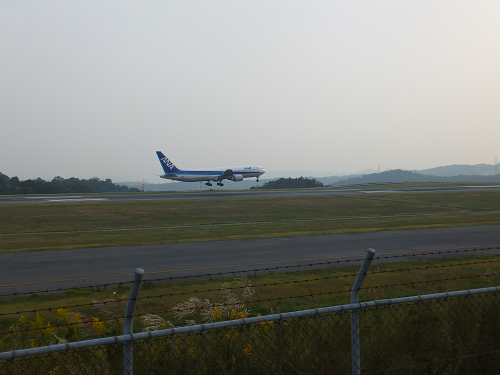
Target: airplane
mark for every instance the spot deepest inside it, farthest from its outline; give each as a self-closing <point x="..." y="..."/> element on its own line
<point x="237" y="173"/>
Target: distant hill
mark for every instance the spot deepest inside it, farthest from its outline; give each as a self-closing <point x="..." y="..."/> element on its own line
<point x="10" y="186"/>
<point x="399" y="175"/>
<point x="444" y="171"/>
<point x="461" y="169"/>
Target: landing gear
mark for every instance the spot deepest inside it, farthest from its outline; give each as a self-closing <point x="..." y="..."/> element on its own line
<point x="257" y="179"/>
<point x="220" y="184"/>
<point x="208" y="184"/>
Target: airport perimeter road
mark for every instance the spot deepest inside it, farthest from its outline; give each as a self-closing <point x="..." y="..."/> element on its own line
<point x="225" y="194"/>
<point x="35" y="271"/>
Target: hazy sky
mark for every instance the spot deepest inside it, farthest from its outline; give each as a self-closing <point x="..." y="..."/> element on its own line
<point x="96" y="87"/>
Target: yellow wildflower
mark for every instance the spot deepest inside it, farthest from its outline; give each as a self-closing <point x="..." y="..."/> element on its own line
<point x="98" y="326"/>
<point x="231" y="335"/>
<point x="192" y="351"/>
<point x="247" y="350"/>
<point x="54" y="371"/>
<point x="63" y="315"/>
<point x="22" y="322"/>
<point x="39" y="324"/>
<point x="48" y="330"/>
<point x="76" y="318"/>
<point x="265" y="325"/>
<point x="216" y="314"/>
<point x="238" y="314"/>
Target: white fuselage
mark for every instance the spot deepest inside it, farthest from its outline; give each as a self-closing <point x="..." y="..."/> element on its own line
<point x="212" y="174"/>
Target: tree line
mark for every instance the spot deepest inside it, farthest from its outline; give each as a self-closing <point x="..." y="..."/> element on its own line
<point x="12" y="185"/>
<point x="290" y="183"/>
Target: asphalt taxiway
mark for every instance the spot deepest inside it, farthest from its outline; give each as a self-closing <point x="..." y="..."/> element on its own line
<point x="40" y="270"/>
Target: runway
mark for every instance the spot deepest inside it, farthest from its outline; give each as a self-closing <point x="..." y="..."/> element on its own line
<point x="36" y="271"/>
<point x="225" y="194"/>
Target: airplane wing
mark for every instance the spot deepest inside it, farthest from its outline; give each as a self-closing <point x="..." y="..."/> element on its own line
<point x="227" y="175"/>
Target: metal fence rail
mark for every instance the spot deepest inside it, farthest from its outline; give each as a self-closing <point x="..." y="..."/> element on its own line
<point x="446" y="333"/>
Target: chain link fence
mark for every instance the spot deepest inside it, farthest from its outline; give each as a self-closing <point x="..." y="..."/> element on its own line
<point x="458" y="335"/>
<point x="445" y="336"/>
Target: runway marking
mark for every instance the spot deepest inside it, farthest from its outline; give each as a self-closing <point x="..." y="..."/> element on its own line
<point x="381" y="191"/>
<point x="77" y="200"/>
<point x="242" y="265"/>
<point x="223" y="224"/>
<point x="63" y="197"/>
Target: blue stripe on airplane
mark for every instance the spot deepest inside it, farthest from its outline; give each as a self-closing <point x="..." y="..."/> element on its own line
<point x="217" y="173"/>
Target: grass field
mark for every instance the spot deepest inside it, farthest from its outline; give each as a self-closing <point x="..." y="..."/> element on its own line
<point x="63" y="226"/>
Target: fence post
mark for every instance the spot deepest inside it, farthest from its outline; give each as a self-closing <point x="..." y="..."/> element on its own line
<point x="355" y="344"/>
<point x="128" y="322"/>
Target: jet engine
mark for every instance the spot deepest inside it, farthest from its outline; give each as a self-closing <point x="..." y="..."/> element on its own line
<point x="238" y="177"/>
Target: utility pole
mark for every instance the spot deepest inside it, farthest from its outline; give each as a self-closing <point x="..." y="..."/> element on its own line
<point x="496" y="165"/>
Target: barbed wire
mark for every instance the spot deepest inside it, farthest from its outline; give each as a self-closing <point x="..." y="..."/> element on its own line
<point x="166" y="311"/>
<point x="251" y="285"/>
<point x="422" y="282"/>
<point x="316" y="279"/>
<point x="377" y="257"/>
<point x="430" y="267"/>
<point x="324" y="293"/>
<point x="106" y="302"/>
<point x="119" y="284"/>
<point x="266" y="269"/>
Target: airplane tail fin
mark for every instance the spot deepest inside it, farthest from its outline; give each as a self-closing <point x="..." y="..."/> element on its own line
<point x="167" y="165"/>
